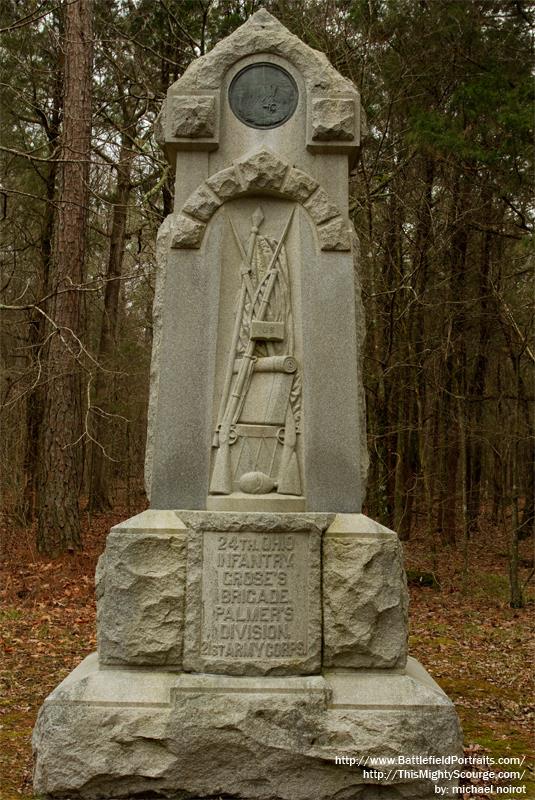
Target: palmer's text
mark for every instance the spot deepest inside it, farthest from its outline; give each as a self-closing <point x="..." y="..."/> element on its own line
<point x="254" y="592"/>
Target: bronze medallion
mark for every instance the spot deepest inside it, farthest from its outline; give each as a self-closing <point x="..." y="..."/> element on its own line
<point x="263" y="96"/>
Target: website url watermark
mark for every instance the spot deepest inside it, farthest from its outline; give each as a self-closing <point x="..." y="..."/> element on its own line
<point x="479" y="775"/>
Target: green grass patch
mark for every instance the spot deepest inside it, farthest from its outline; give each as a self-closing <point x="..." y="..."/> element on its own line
<point x="489" y="584"/>
<point x="502" y="741"/>
<point x="8" y="614"/>
<point x="15" y="733"/>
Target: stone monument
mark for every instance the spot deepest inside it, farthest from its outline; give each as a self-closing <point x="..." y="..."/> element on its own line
<point x="252" y="624"/>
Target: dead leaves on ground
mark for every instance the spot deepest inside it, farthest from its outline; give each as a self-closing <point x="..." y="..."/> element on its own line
<point x="476" y="647"/>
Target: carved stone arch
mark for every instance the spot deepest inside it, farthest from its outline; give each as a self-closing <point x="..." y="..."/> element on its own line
<point x="261" y="171"/>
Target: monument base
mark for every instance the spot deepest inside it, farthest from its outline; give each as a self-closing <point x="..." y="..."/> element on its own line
<point x="239" y="501"/>
<point x="121" y="733"/>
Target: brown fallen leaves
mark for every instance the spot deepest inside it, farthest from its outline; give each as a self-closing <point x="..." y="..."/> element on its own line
<point x="476" y="647"/>
<point x="47" y="625"/>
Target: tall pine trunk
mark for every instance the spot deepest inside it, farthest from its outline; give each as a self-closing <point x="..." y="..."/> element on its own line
<point x="37" y="323"/>
<point x="455" y="353"/>
<point x="60" y="459"/>
<point x="99" y="490"/>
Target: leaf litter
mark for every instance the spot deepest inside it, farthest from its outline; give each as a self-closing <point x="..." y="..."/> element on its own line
<point x="473" y="644"/>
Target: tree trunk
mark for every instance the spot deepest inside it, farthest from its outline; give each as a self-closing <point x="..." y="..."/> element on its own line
<point x="35" y="401"/>
<point x="516" y="595"/>
<point x="60" y="457"/>
<point x="455" y="358"/>
<point x="474" y="438"/>
<point x="99" y="490"/>
<point x="412" y="336"/>
<point x="400" y="469"/>
<point x="450" y="439"/>
<point x="393" y="277"/>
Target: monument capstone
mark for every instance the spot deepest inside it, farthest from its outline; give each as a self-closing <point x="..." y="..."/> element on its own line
<point x="252" y="624"/>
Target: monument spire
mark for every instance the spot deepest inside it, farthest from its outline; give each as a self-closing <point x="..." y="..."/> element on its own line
<point x="252" y="623"/>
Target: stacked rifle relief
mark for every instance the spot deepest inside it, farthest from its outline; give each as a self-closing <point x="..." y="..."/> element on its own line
<point x="252" y="623"/>
<point x="260" y="404"/>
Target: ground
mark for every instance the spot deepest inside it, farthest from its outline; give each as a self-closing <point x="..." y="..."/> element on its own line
<point x="462" y="630"/>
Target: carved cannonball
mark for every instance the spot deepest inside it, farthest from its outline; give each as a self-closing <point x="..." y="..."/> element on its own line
<point x="256" y="483"/>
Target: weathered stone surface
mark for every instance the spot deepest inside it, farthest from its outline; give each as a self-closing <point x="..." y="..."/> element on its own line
<point x="195" y="291"/>
<point x="163" y="247"/>
<point x="107" y="734"/>
<point x="141" y="580"/>
<point x="360" y="324"/>
<point x="253" y="593"/>
<point x="333" y="118"/>
<point x="192" y="116"/>
<point x="299" y="186"/>
<point x="357" y="524"/>
<point x="226" y="183"/>
<point x="152" y="520"/>
<point x="239" y="501"/>
<point x="243" y="592"/>
<point x="202" y="204"/>
<point x="258" y="521"/>
<point x="320" y="207"/>
<point x="335" y="235"/>
<point x="262" y="170"/>
<point x="186" y="232"/>
<point x="365" y="598"/>
<point x="263" y="33"/>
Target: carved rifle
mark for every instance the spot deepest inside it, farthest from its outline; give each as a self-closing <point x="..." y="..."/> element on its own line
<point x="245" y="289"/>
<point x="221" y="482"/>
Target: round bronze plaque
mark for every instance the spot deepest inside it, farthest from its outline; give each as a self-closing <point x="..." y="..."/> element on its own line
<point x="263" y="95"/>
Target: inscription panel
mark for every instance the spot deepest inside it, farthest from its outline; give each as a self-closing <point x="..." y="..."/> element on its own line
<point x="253" y="603"/>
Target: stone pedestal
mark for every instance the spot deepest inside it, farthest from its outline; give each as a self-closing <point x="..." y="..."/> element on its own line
<point x="247" y="643"/>
<point x="122" y="733"/>
<point x="183" y="596"/>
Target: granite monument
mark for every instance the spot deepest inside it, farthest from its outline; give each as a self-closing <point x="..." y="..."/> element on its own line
<point x="252" y="624"/>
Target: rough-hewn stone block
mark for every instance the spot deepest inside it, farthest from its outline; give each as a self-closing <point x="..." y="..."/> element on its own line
<point x="141" y="580"/>
<point x="202" y="204"/>
<point x="225" y="184"/>
<point x="365" y="598"/>
<point x="192" y="116"/>
<point x="262" y="170"/>
<point x="320" y="207"/>
<point x="299" y="186"/>
<point x="186" y="233"/>
<point x="108" y="734"/>
<point x="333" y="119"/>
<point x="335" y="235"/>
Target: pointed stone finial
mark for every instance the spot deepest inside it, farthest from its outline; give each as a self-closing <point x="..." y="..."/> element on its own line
<point x="264" y="17"/>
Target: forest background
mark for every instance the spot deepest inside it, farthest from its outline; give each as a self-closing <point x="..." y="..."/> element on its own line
<point x="442" y="203"/>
